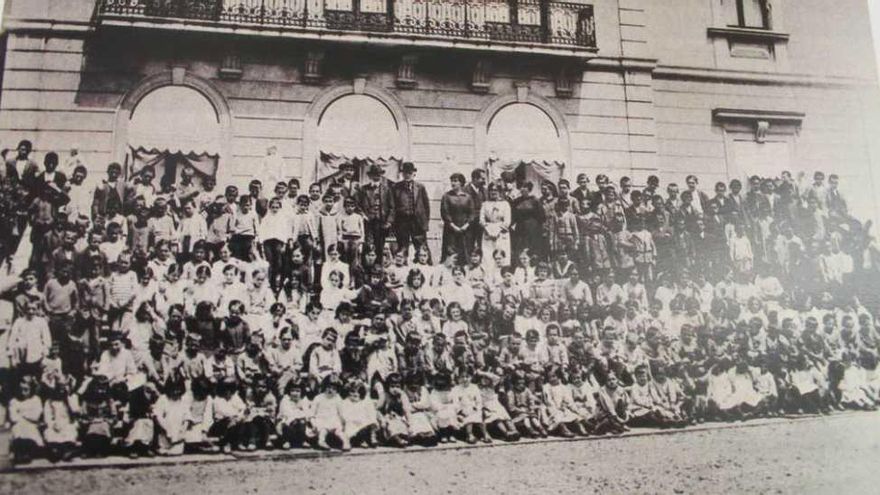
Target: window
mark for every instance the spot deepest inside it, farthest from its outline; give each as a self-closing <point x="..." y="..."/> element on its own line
<point x="754" y="14"/>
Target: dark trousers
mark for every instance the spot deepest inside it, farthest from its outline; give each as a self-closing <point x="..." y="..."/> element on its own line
<point x="408" y="230"/>
<point x="273" y="250"/>
<point x="240" y="245"/>
<point x="375" y="233"/>
<point x="40" y="253"/>
<point x="458" y="243"/>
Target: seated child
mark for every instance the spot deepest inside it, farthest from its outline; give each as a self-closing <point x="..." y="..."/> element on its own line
<point x="444" y="407"/>
<point x="294" y="411"/>
<point x="360" y="417"/>
<point x="59" y="413"/>
<point x="495" y="416"/>
<point x="25" y="414"/>
<point x="173" y="417"/>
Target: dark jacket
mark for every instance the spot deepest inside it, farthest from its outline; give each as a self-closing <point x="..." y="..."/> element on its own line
<point x="366" y="195"/>
<point x="422" y="206"/>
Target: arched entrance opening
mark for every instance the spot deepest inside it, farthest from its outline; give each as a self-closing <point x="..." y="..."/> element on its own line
<point x="174" y="129"/>
<point x="361" y="130"/>
<point x="523" y="139"/>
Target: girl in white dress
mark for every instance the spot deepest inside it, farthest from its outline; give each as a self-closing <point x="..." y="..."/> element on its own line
<point x="62" y="430"/>
<point x="327" y="413"/>
<point x="294" y="412"/>
<point x="470" y="407"/>
<point x="421" y="426"/>
<point x="25" y="413"/>
<point x="444" y="406"/>
<point x="201" y="412"/>
<point x="583" y="394"/>
<point x="172" y="414"/>
<point x="561" y="412"/>
<point x="744" y="391"/>
<point x="495" y="220"/>
<point x="394" y="408"/>
<point x="360" y="417"/>
<point x="722" y="400"/>
<point x="495" y="416"/>
<point x="335" y="292"/>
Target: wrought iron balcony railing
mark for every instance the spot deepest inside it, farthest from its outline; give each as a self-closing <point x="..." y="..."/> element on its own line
<point x="531" y="22"/>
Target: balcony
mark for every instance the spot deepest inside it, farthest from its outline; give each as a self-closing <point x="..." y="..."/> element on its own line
<point x="518" y="25"/>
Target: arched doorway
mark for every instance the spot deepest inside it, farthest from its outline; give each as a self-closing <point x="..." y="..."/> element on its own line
<point x="173" y="128"/>
<point x="523" y="139"/>
<point x="359" y="129"/>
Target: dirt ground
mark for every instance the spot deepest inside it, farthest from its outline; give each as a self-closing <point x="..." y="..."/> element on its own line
<point x="837" y="454"/>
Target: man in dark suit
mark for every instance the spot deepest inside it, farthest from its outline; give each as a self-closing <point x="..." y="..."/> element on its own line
<point x="349" y="186"/>
<point x="112" y="190"/>
<point x="21" y="169"/>
<point x="411" y="209"/>
<point x="477" y="191"/>
<point x="377" y="206"/>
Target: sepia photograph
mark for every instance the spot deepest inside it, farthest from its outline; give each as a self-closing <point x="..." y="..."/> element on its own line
<point x="439" y="247"/>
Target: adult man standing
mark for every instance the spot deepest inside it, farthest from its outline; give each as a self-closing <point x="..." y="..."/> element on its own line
<point x="111" y="191"/>
<point x="477" y="191"/>
<point x="347" y="182"/>
<point x="22" y="168"/>
<point x="411" y="209"/>
<point x="377" y="205"/>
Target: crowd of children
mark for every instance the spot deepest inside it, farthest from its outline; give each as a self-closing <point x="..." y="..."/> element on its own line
<point x="163" y="322"/>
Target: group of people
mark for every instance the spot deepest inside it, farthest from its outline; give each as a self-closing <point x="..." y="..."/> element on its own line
<point x="177" y="319"/>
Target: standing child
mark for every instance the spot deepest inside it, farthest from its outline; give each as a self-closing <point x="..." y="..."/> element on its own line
<point x="645" y="251"/>
<point x="94" y="303"/>
<point x="274" y="232"/>
<point x="122" y="292"/>
<point x="350" y="230"/>
<point x="565" y="234"/>
<point x="244" y="229"/>
<point x="29" y="341"/>
<point x="327" y="221"/>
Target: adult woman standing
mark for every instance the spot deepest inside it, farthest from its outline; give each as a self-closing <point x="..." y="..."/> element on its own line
<point x="458" y="213"/>
<point x="495" y="219"/>
<point x="528" y="217"/>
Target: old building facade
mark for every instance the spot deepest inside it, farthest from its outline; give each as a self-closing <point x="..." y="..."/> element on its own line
<point x="717" y="88"/>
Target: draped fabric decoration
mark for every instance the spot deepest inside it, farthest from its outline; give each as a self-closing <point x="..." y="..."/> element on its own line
<point x="170" y="163"/>
<point x="329" y="163"/>
<point x="534" y="171"/>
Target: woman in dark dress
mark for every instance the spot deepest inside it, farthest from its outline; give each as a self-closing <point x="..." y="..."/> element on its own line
<point x="458" y="213"/>
<point x="528" y="217"/>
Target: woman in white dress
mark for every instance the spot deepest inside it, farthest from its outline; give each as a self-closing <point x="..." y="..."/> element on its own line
<point x="495" y="220"/>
